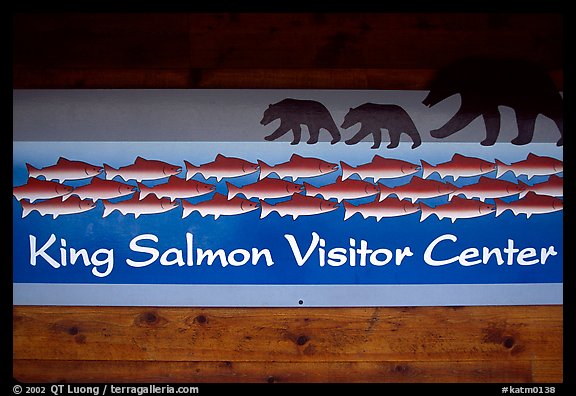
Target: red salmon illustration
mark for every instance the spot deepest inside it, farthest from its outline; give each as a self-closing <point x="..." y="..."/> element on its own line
<point x="457" y="208"/>
<point x="143" y="169"/>
<point x="56" y="207"/>
<point x="531" y="204"/>
<point x="218" y="206"/>
<point x="553" y="187"/>
<point x="459" y="166"/>
<point x="266" y="188"/>
<point x="380" y="168"/>
<point x="342" y="189"/>
<point x="389" y="207"/>
<point x="298" y="167"/>
<point x="221" y="167"/>
<point x="102" y="189"/>
<point x="417" y="188"/>
<point x="533" y="165"/>
<point x="299" y="205"/>
<point x="40" y="189"/>
<point x="65" y="169"/>
<point x="488" y="188"/>
<point x="137" y="207"/>
<point x="176" y="187"/>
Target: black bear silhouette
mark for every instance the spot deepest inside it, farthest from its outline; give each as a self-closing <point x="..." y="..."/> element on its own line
<point x="296" y="112"/>
<point x="484" y="84"/>
<point x="374" y="117"/>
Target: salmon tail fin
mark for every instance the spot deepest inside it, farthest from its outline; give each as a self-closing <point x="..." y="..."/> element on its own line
<point x="425" y="211"/>
<point x="32" y="171"/>
<point x="27" y="207"/>
<point x="111" y="173"/>
<point x="349" y="210"/>
<point x="17" y="195"/>
<point x="232" y="190"/>
<point x="310" y="189"/>
<point x="187" y="208"/>
<point x="500" y="206"/>
<point x="265" y="208"/>
<point x="347" y="170"/>
<point x="265" y="169"/>
<point x="427" y="169"/>
<point x="191" y="170"/>
<point x="108" y="208"/>
<point x="501" y="168"/>
<point x="144" y="191"/>
<point x="525" y="187"/>
<point x="385" y="191"/>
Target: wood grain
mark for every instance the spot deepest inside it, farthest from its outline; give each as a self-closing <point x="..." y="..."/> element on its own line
<point x="307" y="334"/>
<point x="267" y="50"/>
<point x="486" y="339"/>
<point x="285" y="372"/>
<point x="401" y="79"/>
<point x="271" y="40"/>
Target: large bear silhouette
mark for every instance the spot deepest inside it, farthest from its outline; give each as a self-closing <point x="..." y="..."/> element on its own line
<point x="374" y="117"/>
<point x="295" y="112"/>
<point x="485" y="84"/>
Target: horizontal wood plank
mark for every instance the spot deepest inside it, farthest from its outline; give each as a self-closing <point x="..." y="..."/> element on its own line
<point x="30" y="78"/>
<point x="284" y="372"/>
<point x="101" y="40"/>
<point x="287" y="335"/>
<point x="174" y="78"/>
<point x="548" y="371"/>
<point x="290" y="40"/>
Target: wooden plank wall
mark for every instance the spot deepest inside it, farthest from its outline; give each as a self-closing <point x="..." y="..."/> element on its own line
<point x="360" y="51"/>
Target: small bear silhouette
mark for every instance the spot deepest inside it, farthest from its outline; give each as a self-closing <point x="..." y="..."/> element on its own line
<point x="295" y="112"/>
<point x="484" y="84"/>
<point x="374" y="117"/>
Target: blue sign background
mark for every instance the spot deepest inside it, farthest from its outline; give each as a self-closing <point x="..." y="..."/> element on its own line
<point x="91" y="231"/>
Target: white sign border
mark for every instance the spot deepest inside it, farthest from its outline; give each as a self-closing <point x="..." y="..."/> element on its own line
<point x="164" y="295"/>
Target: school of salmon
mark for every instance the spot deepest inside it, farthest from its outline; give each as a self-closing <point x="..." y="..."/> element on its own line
<point x="46" y="193"/>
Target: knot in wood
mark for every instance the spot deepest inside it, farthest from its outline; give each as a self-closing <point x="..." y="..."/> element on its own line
<point x="508" y="342"/>
<point x="150" y="317"/>
<point x="73" y="330"/>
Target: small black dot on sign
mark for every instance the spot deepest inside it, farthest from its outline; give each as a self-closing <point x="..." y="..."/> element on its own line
<point x="300" y="302"/>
